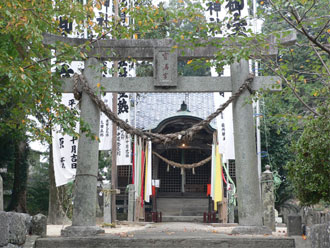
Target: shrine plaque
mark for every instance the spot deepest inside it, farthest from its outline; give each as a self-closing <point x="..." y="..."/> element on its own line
<point x="165" y="67"/>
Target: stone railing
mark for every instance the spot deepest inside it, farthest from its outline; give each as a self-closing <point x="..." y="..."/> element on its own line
<point x="14" y="227"/>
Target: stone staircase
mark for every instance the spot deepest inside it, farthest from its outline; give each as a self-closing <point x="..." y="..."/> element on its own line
<point x="167" y="239"/>
<point x="182" y="209"/>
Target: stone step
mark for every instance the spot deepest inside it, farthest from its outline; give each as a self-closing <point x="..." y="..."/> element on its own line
<point x="176" y="218"/>
<point x="182" y="213"/>
<point x="165" y="240"/>
<point x="182" y="206"/>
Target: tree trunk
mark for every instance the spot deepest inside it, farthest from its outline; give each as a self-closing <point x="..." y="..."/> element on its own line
<point x="21" y="167"/>
<point x="56" y="214"/>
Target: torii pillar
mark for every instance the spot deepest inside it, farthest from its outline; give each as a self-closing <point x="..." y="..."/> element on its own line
<point x="249" y="202"/>
<point x="84" y="207"/>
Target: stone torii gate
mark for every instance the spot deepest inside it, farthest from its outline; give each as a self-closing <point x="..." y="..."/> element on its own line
<point x="165" y="80"/>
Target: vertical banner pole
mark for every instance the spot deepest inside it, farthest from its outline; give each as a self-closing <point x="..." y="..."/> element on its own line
<point x="114" y="140"/>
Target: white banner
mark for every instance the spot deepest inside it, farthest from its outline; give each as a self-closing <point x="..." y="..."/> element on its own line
<point x="225" y="123"/>
<point x="235" y="10"/>
<point x="123" y="138"/>
<point x="65" y="149"/>
<point x="148" y="173"/>
<point x="106" y="126"/>
<point x="215" y="12"/>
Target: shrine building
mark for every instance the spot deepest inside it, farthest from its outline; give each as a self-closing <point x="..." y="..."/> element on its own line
<point x="182" y="193"/>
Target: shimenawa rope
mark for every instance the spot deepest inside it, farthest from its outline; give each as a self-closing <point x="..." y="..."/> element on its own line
<point x="156" y="138"/>
<point x="185" y="166"/>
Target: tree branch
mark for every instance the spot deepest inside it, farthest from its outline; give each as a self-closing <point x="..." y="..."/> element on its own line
<point x="294" y="91"/>
<point x="308" y="10"/>
<point x="298" y="97"/>
<point x="310" y="37"/>
<point x="285" y="18"/>
<point x="309" y="73"/>
<point x="318" y="55"/>
<point x="302" y="30"/>
<point x="295" y="13"/>
<point x="313" y="40"/>
<point x="324" y="27"/>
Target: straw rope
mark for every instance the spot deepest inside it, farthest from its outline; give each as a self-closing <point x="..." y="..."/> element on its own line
<point x="185" y="166"/>
<point x="155" y="137"/>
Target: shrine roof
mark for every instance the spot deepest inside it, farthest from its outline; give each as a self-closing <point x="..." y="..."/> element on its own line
<point x="152" y="108"/>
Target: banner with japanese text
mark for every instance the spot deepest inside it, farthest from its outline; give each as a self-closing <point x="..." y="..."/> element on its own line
<point x="215" y="12"/>
<point x="234" y="10"/>
<point x="123" y="139"/>
<point x="65" y="147"/>
<point x="105" y="134"/>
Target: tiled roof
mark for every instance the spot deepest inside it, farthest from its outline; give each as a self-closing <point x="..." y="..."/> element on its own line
<point x="152" y="108"/>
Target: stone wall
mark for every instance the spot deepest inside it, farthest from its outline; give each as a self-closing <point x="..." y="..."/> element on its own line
<point x="15" y="226"/>
<point x="315" y="223"/>
<point x="316" y="226"/>
<point x="311" y="216"/>
<point x="320" y="235"/>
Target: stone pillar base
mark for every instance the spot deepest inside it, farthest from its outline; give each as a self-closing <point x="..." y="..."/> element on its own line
<point x="252" y="230"/>
<point x="78" y="231"/>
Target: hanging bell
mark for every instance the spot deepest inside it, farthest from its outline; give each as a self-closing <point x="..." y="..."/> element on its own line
<point x="168" y="168"/>
<point x="193" y="171"/>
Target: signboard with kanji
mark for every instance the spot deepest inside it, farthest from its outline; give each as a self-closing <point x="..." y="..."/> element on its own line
<point x="165" y="67"/>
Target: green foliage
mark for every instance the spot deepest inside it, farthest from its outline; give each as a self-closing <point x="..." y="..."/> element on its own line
<point x="304" y="70"/>
<point x="105" y="161"/>
<point x="276" y="137"/>
<point x="310" y="171"/>
<point x="37" y="186"/>
<point x="27" y="84"/>
<point x="194" y="68"/>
